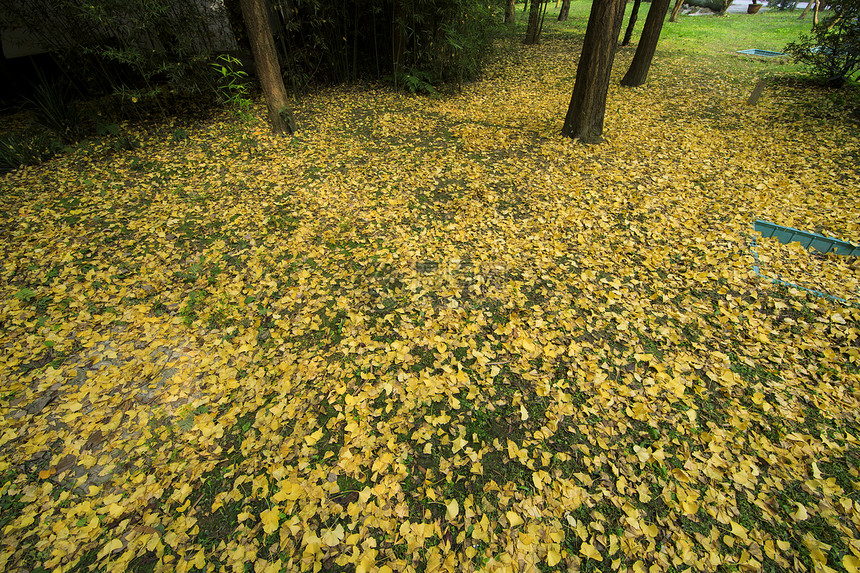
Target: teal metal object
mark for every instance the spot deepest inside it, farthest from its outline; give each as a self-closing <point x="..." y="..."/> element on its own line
<point x="763" y="53"/>
<point x="818" y="242"/>
<point x="807" y="240"/>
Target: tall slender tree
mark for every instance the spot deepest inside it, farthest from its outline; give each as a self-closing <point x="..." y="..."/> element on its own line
<point x="565" y="11"/>
<point x="536" y="16"/>
<point x="510" y="11"/>
<point x="268" y="69"/>
<point x="634" y="14"/>
<point x="676" y="10"/>
<point x="638" y="71"/>
<point x="398" y="40"/>
<point x="587" y="108"/>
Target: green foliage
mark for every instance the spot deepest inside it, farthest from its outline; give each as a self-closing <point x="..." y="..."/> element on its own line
<point x="179" y="134"/>
<point x="233" y="88"/>
<point x="55" y="108"/>
<point x="142" y="43"/>
<point x="117" y="140"/>
<point x="29" y="148"/>
<point x="444" y="40"/>
<point x="150" y="50"/>
<point x="832" y="51"/>
<point x="719" y="6"/>
<point x="454" y="45"/>
<point x="782" y="5"/>
<point x="417" y="82"/>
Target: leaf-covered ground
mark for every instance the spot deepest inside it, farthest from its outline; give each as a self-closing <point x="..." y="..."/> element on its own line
<point x="433" y="335"/>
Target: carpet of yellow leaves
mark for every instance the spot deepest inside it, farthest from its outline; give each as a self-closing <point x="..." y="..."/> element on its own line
<point x="433" y="335"/>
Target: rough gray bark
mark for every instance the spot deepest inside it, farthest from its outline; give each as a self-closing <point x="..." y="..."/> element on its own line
<point x="266" y="61"/>
<point x="587" y="108"/>
<point x="638" y="71"/>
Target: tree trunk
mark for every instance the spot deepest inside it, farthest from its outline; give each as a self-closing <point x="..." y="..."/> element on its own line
<point x="641" y="63"/>
<point x="565" y="11"/>
<point x="398" y="41"/>
<point x="525" y="6"/>
<point x="815" y="13"/>
<point x="511" y="12"/>
<point x="806" y="10"/>
<point x="588" y="104"/>
<point x="628" y="34"/>
<point x="266" y="60"/>
<point x="533" y="30"/>
<point x="676" y="10"/>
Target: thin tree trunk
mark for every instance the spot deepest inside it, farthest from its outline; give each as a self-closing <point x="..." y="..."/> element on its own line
<point x="628" y="34"/>
<point x="268" y="71"/>
<point x="398" y="39"/>
<point x="587" y="108"/>
<point x="525" y="6"/>
<point x="815" y="13"/>
<point x="511" y="12"/>
<point x="533" y="30"/>
<point x="565" y="11"/>
<point x="542" y="18"/>
<point x="676" y="10"/>
<point x="805" y="10"/>
<point x="641" y="63"/>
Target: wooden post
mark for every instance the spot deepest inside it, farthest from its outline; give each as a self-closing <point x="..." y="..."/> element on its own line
<point x="756" y="93"/>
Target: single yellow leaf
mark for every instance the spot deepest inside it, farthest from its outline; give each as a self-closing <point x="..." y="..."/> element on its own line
<point x="689" y="506"/>
<point x="110" y="547"/>
<point x="553" y="557"/>
<point x="590" y="551"/>
<point x="115" y="510"/>
<point x="452" y="510"/>
<point x="739" y="530"/>
<point x="270" y="520"/>
<point x="800" y="513"/>
<point x="353" y="538"/>
<point x="314" y="438"/>
<point x="332" y="537"/>
<point x="514" y="518"/>
<point x="851" y="563"/>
